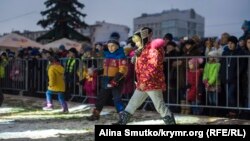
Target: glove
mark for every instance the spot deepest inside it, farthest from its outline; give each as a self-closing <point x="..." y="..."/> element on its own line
<point x="112" y="84"/>
<point x="206" y="84"/>
<point x="109" y="86"/>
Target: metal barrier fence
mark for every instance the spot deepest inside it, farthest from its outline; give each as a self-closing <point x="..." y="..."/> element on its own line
<point x="232" y="89"/>
<point x="16" y="76"/>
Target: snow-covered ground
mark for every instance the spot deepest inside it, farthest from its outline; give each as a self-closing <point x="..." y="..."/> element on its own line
<point x="22" y="118"/>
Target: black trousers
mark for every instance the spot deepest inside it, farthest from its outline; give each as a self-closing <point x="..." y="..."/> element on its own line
<point x="1" y="97"/>
<point x="103" y="96"/>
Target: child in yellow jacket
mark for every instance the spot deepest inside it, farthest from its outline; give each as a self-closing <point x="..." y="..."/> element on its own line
<point x="56" y="84"/>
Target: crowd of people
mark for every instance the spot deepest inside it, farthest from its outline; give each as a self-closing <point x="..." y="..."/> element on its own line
<point x="208" y="71"/>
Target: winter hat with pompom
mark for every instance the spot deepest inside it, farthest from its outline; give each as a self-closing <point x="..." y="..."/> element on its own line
<point x="196" y="62"/>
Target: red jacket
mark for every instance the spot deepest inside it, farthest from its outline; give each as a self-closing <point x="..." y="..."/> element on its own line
<point x="193" y="81"/>
<point x="149" y="66"/>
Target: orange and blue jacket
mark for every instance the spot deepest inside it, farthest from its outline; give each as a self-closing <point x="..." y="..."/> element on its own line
<point x="114" y="64"/>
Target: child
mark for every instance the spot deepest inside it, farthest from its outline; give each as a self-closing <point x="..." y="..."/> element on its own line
<point x="115" y="69"/>
<point x="149" y="75"/>
<point x="210" y="78"/>
<point x="129" y="86"/>
<point x="56" y="84"/>
<point x="70" y="75"/>
<point x="193" y="89"/>
<point x="3" y="64"/>
<point x="90" y="85"/>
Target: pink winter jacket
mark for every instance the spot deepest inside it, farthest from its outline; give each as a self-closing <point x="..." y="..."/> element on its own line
<point x="149" y="66"/>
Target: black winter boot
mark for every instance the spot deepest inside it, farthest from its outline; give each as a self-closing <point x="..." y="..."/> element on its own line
<point x="124" y="117"/>
<point x="95" y="115"/>
<point x="65" y="107"/>
<point x="169" y="120"/>
<point x="1" y="97"/>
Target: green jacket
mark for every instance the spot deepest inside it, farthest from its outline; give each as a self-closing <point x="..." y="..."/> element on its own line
<point x="3" y="64"/>
<point x="211" y="72"/>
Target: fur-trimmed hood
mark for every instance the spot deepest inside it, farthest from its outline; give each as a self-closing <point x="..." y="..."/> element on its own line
<point x="157" y="43"/>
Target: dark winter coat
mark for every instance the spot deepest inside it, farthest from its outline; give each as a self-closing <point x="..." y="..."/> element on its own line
<point x="229" y="66"/>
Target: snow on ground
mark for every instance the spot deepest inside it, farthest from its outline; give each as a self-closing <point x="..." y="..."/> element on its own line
<point x="22" y="119"/>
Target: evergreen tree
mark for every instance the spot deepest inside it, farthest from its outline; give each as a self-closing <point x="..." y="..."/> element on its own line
<point x="62" y="16"/>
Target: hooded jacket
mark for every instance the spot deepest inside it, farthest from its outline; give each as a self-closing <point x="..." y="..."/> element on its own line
<point x="56" y="78"/>
<point x="114" y="63"/>
<point x="149" y="66"/>
<point x="114" y="67"/>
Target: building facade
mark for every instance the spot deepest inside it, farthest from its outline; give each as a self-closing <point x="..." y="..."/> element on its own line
<point x="179" y="23"/>
<point x="101" y="31"/>
<point x="33" y="35"/>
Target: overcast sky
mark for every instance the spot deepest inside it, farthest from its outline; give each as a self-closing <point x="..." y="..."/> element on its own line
<point x="220" y="15"/>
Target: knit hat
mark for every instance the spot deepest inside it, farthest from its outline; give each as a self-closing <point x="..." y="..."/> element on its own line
<point x="213" y="53"/>
<point x="144" y="34"/>
<point x="99" y="43"/>
<point x="62" y="47"/>
<point x="114" y="42"/>
<point x="233" y="39"/>
<point x="35" y="52"/>
<point x="168" y="36"/>
<point x="115" y="36"/>
<point x="73" y="50"/>
<point x="196" y="62"/>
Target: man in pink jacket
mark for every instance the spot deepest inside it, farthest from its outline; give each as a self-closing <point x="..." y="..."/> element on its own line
<point x="148" y="61"/>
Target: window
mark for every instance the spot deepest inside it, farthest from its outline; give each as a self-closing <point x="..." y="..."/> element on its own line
<point x="169" y="23"/>
<point x="191" y="32"/>
<point x="191" y="25"/>
<point x="182" y="32"/>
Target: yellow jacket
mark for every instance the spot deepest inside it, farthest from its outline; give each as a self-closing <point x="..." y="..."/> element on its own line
<point x="82" y="74"/>
<point x="56" y="78"/>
